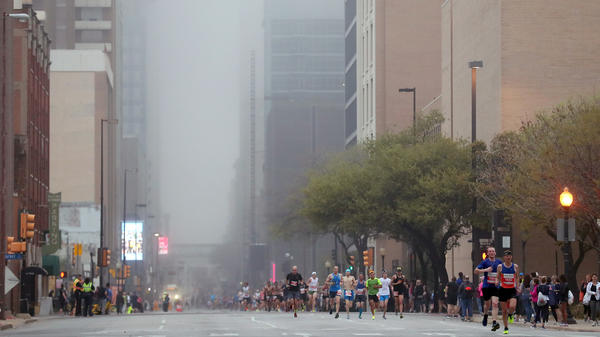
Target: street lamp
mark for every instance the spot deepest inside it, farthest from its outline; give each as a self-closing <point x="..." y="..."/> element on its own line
<point x="414" y="91"/>
<point x="382" y="252"/>
<point x="328" y="266"/>
<point x="566" y="199"/>
<point x="102" y="121"/>
<point x="476" y="233"/>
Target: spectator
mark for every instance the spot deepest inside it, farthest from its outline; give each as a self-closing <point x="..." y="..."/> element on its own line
<point x="525" y="290"/>
<point x="120" y="302"/>
<point x="451" y="297"/>
<point x="563" y="298"/>
<point x="419" y="292"/>
<point x="593" y="297"/>
<point x="534" y="299"/>
<point x="466" y="291"/>
<point x="582" y="292"/>
<point x="553" y="296"/>
<point x="109" y="295"/>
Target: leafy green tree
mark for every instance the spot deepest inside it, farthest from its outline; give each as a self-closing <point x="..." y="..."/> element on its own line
<point x="525" y="172"/>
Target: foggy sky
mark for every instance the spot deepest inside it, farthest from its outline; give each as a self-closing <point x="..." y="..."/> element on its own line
<point x="193" y="79"/>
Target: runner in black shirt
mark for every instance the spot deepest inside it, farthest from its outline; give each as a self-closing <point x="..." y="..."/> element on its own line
<point x="293" y="284"/>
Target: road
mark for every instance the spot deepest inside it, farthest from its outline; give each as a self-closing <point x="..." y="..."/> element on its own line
<point x="215" y="324"/>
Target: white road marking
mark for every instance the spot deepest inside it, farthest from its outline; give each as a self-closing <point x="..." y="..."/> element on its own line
<point x="304" y="334"/>
<point x="224" y="334"/>
<point x="368" y="334"/>
<point x="439" y="334"/>
<point x="263" y="322"/>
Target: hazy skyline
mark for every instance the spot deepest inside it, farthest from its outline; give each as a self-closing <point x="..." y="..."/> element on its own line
<point x="194" y="70"/>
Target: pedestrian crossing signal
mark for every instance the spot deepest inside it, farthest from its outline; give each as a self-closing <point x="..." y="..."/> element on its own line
<point x="63" y="274"/>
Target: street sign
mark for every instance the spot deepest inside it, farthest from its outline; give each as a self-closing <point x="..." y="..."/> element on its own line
<point x="15" y="256"/>
<point x="560" y="230"/>
<point x="506" y="242"/>
<point x="10" y="280"/>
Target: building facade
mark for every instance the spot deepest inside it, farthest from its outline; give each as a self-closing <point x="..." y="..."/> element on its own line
<point x="81" y="98"/>
<point x="535" y="55"/>
<point x="304" y="110"/>
<point x="350" y="82"/>
<point x="398" y="46"/>
<point x="79" y="24"/>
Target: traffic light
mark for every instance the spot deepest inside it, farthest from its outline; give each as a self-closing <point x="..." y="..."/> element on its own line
<point x="366" y="257"/>
<point x="352" y="262"/>
<point x="27" y="225"/>
<point x="127" y="271"/>
<point x="15" y="247"/>
<point x="63" y="274"/>
<point x="103" y="257"/>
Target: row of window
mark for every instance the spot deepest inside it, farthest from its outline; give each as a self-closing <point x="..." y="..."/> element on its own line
<point x="307" y="63"/>
<point x="316" y="27"/>
<point x="304" y="82"/>
<point x="297" y="44"/>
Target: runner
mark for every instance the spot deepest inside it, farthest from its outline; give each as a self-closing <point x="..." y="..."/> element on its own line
<point x="508" y="289"/>
<point x="399" y="291"/>
<point x="334" y="280"/>
<point x="245" y="295"/>
<point x="360" y="295"/>
<point x="294" y="279"/>
<point x="303" y="295"/>
<point x="384" y="292"/>
<point x="373" y="285"/>
<point x="349" y="282"/>
<point x="489" y="268"/>
<point x="313" y="290"/>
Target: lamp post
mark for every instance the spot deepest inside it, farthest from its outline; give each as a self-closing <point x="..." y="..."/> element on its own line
<point x="566" y="199"/>
<point x="414" y="92"/>
<point x="102" y="121"/>
<point x="476" y="233"/>
<point x="155" y="267"/>
<point x="382" y="252"/>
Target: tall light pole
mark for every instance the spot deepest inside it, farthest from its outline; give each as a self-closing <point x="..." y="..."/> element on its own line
<point x="414" y="92"/>
<point x="566" y="199"/>
<point x="476" y="233"/>
<point x="102" y="121"/>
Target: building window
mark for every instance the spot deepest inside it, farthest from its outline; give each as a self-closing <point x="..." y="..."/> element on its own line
<point x="92" y="36"/>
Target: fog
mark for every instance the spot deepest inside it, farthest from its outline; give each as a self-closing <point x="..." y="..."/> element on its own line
<point x="192" y="70"/>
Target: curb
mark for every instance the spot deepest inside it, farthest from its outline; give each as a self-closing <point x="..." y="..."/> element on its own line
<point x="6" y="326"/>
<point x="31" y="320"/>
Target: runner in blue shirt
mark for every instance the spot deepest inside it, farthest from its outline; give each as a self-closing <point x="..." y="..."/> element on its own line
<point x="489" y="268"/>
<point x="335" y="292"/>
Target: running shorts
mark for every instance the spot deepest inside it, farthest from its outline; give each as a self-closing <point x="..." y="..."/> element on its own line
<point x="373" y="298"/>
<point x="311" y="292"/>
<point x="348" y="295"/>
<point x="384" y="297"/>
<point x="334" y="294"/>
<point x="489" y="292"/>
<point x="506" y="294"/>
<point x="360" y="298"/>
<point x="293" y="294"/>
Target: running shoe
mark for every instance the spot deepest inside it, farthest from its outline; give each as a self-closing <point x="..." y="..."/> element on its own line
<point x="295" y="315"/>
<point x="506" y="331"/>
<point x="330" y="311"/>
<point x="511" y="318"/>
<point x="496" y="326"/>
<point x="337" y="315"/>
<point x="373" y="318"/>
<point x="360" y="315"/>
<point x="485" y="318"/>
<point x="401" y="316"/>
<point x="384" y="317"/>
<point x="347" y="316"/>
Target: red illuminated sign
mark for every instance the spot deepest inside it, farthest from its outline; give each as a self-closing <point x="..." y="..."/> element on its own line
<point x="163" y="245"/>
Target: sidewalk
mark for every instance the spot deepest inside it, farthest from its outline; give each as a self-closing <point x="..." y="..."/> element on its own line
<point x="581" y="326"/>
<point x="16" y="322"/>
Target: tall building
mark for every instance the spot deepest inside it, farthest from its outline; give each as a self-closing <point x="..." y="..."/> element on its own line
<point x="79" y="24"/>
<point x="535" y="54"/>
<point x="304" y="108"/>
<point x="24" y="146"/>
<point x="398" y="47"/>
<point x="82" y="86"/>
<point x="350" y="82"/>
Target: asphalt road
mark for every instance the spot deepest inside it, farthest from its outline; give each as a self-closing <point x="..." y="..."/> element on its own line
<point x="266" y="324"/>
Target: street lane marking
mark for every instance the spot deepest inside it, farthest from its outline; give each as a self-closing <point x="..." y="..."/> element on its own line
<point x="304" y="334"/>
<point x="368" y="334"/>
<point x="263" y="322"/>
<point x="224" y="334"/>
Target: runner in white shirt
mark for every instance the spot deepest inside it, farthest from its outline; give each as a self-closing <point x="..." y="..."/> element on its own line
<point x="384" y="292"/>
<point x="313" y="290"/>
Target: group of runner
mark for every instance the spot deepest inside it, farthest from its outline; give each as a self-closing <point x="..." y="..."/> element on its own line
<point x="500" y="284"/>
